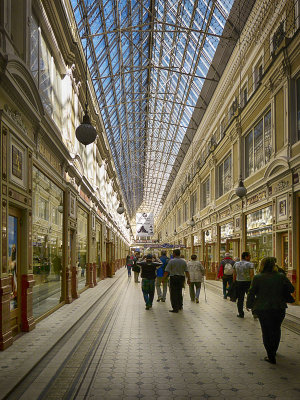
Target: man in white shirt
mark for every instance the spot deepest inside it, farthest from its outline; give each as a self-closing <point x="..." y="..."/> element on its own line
<point x="196" y="271"/>
<point x="242" y="275"/>
<point x="177" y="269"/>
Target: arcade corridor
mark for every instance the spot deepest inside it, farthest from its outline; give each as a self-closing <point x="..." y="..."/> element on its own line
<point x="107" y="346"/>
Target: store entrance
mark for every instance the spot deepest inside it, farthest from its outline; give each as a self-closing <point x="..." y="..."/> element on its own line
<point x="233" y="247"/>
<point x="284" y="251"/>
<point x="14" y="235"/>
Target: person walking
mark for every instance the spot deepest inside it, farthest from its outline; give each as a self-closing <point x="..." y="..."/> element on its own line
<point x="242" y="275"/>
<point x="161" y="295"/>
<point x="136" y="269"/>
<point x="196" y="271"/>
<point x="267" y="297"/>
<point x="226" y="273"/>
<point x="129" y="264"/>
<point x="177" y="269"/>
<point x="148" y="273"/>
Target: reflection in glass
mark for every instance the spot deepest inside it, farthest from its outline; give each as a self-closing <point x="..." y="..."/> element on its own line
<point x="47" y="243"/>
<point x="259" y="235"/>
<point x="12" y="261"/>
<point x="82" y="224"/>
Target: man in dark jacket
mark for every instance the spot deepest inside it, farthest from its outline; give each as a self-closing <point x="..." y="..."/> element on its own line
<point x="148" y="274"/>
<point x="226" y="273"/>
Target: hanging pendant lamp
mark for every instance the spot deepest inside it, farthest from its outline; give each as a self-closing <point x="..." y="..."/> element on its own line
<point x="85" y="132"/>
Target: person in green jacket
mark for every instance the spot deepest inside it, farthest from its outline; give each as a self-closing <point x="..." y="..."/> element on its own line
<point x="267" y="298"/>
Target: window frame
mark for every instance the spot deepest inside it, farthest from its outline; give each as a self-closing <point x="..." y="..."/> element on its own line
<point x="221" y="164"/>
<point x="251" y="131"/>
<point x="257" y="65"/>
<point x="205" y="200"/>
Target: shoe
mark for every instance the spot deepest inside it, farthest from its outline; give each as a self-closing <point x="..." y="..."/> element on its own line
<point x="270" y="360"/>
<point x="197" y="300"/>
<point x="150" y="306"/>
<point x="163" y="300"/>
<point x="180" y="308"/>
<point x="159" y="299"/>
<point x="225" y="297"/>
<point x="147" y="307"/>
<point x="240" y="316"/>
<point x="176" y="311"/>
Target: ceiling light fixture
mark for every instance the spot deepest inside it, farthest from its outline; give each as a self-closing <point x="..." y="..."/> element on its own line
<point x="85" y="132"/>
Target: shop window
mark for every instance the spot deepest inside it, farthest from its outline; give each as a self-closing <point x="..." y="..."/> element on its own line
<point x="46" y="244"/>
<point x="298" y="108"/>
<point x="205" y="193"/>
<point x="258" y="145"/>
<point x="259" y="234"/>
<point x="45" y="73"/>
<point x="224" y="176"/>
<point x="82" y="238"/>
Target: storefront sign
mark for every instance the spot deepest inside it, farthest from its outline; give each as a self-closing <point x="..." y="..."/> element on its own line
<point x="256" y="198"/>
<point x="282" y="185"/>
<point x="282" y="227"/>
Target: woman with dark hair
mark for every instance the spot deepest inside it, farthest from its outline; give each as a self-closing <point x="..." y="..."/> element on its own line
<point x="129" y="264"/>
<point x="267" y="299"/>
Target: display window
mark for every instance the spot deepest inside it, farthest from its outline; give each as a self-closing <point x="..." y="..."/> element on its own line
<point x="227" y="245"/>
<point x="82" y="243"/>
<point x="259" y="235"/>
<point x="47" y="236"/>
<point x="98" y="249"/>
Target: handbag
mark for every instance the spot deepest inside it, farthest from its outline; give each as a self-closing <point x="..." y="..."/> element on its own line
<point x="288" y="298"/>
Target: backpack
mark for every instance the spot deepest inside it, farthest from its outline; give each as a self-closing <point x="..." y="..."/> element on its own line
<point x="228" y="269"/>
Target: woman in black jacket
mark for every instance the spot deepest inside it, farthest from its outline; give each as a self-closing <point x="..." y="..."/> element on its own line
<point x="267" y="298"/>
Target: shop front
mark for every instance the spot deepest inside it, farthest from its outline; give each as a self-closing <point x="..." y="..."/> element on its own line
<point x="209" y="254"/>
<point x="82" y="247"/>
<point x="228" y="242"/>
<point x="259" y="235"/>
<point x="47" y="236"/>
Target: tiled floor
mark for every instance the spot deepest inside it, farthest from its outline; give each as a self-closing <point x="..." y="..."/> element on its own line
<point x="122" y="351"/>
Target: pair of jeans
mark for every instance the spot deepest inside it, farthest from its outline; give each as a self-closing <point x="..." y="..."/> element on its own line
<point x="227" y="280"/>
<point x="148" y="288"/>
<point x="242" y="288"/>
<point x="270" y="322"/>
<point x="158" y="283"/>
<point x="194" y="285"/>
<point x="176" y="285"/>
<point x="129" y="270"/>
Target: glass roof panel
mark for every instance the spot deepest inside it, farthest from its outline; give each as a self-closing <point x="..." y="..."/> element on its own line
<point x="150" y="60"/>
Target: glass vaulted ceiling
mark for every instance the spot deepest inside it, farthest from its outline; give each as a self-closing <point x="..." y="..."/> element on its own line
<point x="148" y="60"/>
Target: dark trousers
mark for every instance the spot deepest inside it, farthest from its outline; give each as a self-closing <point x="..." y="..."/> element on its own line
<point x="242" y="288"/>
<point x="270" y="322"/>
<point x="227" y="280"/>
<point x="176" y="285"/>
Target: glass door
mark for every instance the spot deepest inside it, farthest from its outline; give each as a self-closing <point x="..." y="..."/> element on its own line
<point x="284" y="251"/>
<point x="14" y="219"/>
